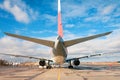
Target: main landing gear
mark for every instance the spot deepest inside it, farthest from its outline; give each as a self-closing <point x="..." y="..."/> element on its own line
<point x="70" y="66"/>
<point x="48" y="66"/>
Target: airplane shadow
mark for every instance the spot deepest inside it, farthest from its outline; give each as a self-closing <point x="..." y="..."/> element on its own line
<point x="89" y="68"/>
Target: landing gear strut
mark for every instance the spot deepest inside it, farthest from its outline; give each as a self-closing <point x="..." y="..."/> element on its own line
<point x="48" y="66"/>
<point x="70" y="66"/>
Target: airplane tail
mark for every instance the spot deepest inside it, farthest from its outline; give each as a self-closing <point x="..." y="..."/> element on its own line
<point x="60" y="29"/>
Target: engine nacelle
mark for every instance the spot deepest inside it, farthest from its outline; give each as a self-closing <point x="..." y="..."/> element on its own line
<point x="42" y="62"/>
<point x="76" y="62"/>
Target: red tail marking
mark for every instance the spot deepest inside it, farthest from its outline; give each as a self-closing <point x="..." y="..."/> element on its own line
<point x="60" y="29"/>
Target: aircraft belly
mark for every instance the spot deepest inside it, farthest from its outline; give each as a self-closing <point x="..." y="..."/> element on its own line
<point x="59" y="59"/>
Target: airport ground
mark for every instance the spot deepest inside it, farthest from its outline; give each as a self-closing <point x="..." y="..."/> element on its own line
<point x="83" y="72"/>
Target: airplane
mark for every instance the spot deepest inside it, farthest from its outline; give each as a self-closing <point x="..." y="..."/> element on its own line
<point x="59" y="47"/>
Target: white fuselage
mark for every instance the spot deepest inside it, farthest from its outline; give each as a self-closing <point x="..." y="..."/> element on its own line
<point x="59" y="51"/>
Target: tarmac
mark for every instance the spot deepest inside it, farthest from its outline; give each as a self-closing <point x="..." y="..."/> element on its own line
<point x="83" y="72"/>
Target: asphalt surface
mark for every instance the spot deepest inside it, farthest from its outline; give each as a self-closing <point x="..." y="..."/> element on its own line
<point x="83" y="72"/>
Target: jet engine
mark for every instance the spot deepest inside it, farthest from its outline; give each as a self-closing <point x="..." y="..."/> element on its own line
<point x="76" y="62"/>
<point x="42" y="62"/>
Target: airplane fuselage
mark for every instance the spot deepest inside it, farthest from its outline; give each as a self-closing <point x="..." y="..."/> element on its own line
<point x="59" y="51"/>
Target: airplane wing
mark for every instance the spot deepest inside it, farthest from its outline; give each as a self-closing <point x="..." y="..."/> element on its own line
<point x="79" y="40"/>
<point x="30" y="57"/>
<point x="93" y="55"/>
<point x="39" y="41"/>
<point x="83" y="57"/>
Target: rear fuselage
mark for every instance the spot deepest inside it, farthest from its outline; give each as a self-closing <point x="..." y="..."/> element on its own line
<point x="59" y="51"/>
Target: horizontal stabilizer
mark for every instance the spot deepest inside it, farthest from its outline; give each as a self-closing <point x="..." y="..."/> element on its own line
<point x="79" y="40"/>
<point x="39" y="41"/>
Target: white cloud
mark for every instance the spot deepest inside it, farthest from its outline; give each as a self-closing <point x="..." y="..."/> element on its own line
<point x="69" y="35"/>
<point x="73" y="10"/>
<point x="103" y="14"/>
<point x="49" y="20"/>
<point x="19" y="10"/>
<point x="92" y="31"/>
<point x="107" y="10"/>
<point x="44" y="31"/>
<point x="98" y="18"/>
<point x="69" y="25"/>
<point x="115" y="25"/>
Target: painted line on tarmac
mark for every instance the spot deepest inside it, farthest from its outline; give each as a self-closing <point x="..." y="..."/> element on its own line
<point x="59" y="71"/>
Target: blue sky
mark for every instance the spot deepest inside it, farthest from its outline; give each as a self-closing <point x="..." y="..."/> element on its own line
<point x="79" y="18"/>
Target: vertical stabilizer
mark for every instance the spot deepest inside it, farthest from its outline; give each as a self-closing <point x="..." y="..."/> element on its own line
<point x="60" y="29"/>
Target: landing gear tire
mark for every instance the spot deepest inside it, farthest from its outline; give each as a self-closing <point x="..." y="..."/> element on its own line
<point x="70" y="67"/>
<point x="48" y="67"/>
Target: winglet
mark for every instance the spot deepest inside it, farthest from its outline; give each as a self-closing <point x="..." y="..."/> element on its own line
<point x="60" y="29"/>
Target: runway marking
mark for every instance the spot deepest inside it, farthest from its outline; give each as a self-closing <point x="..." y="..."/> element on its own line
<point x="59" y="74"/>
